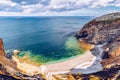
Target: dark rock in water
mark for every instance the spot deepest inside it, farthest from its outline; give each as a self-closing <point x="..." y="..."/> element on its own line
<point x="9" y="55"/>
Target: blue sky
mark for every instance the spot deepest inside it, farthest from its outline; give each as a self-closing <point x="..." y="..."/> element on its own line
<point x="58" y="7"/>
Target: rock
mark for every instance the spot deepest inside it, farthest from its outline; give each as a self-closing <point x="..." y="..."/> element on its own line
<point x="104" y="31"/>
<point x="4" y="77"/>
<point x="109" y="17"/>
<point x="2" y="52"/>
<point x="106" y="74"/>
<point x="11" y="68"/>
<point x="114" y="48"/>
<point x="16" y="52"/>
<point x="15" y="74"/>
<point x="9" y="55"/>
<point x="112" y="62"/>
<point x="85" y="46"/>
<point x="99" y="32"/>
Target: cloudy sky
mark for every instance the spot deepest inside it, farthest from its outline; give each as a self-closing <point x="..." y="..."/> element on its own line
<point x="58" y="7"/>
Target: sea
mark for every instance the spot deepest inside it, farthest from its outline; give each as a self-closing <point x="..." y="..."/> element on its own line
<point x="43" y="39"/>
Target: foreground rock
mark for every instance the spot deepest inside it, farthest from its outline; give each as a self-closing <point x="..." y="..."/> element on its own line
<point x="12" y="69"/>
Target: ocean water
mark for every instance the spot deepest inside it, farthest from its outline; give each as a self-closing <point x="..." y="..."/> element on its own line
<point x="42" y="39"/>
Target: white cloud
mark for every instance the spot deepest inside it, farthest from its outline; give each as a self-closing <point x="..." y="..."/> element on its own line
<point x="101" y="3"/>
<point x="55" y="7"/>
<point x="69" y="4"/>
<point x="33" y="8"/>
<point x="117" y="3"/>
<point x="7" y="3"/>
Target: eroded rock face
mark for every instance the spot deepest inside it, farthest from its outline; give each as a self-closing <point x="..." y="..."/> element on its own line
<point x="113" y="48"/>
<point x="11" y="69"/>
<point x="104" y="30"/>
<point x="2" y="52"/>
<point x="99" y="32"/>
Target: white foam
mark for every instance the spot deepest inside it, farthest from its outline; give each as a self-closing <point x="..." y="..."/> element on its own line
<point x="85" y="65"/>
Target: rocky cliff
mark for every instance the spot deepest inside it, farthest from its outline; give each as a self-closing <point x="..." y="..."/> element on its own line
<point x="104" y="31"/>
<point x="12" y="69"/>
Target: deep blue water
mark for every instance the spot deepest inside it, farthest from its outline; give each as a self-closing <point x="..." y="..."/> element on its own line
<point x="44" y="36"/>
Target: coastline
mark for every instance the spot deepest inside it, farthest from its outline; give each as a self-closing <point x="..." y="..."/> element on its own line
<point x="64" y="59"/>
<point x="66" y="66"/>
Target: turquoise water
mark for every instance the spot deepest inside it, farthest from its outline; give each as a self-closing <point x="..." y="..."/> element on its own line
<point x="43" y="39"/>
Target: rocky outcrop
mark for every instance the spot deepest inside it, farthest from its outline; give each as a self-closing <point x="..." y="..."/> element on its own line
<point x="105" y="31"/>
<point x="12" y="69"/>
<point x="109" y="17"/>
<point x="99" y="32"/>
<point x="2" y="52"/>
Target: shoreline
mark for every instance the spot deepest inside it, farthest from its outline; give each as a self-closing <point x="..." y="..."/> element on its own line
<point x="66" y="66"/>
<point x="65" y="59"/>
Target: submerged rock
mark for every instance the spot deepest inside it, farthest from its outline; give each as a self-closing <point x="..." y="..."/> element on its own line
<point x="9" y="55"/>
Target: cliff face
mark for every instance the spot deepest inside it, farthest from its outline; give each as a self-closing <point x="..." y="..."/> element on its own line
<point x="100" y="31"/>
<point x="2" y="52"/>
<point x="104" y="31"/>
<point x="12" y="69"/>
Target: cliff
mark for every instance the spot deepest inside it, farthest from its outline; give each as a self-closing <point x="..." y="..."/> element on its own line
<point x="104" y="31"/>
<point x="12" y="68"/>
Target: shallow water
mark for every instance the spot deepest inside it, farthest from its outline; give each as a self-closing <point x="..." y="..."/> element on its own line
<point x="43" y="39"/>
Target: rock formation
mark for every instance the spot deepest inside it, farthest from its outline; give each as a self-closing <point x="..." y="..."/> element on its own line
<point x="12" y="69"/>
<point x="104" y="31"/>
<point x="2" y="52"/>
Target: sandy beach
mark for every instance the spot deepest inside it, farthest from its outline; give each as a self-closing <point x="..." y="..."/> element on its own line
<point x="76" y="62"/>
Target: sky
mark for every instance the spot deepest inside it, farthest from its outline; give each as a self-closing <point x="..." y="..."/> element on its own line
<point x="58" y="7"/>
